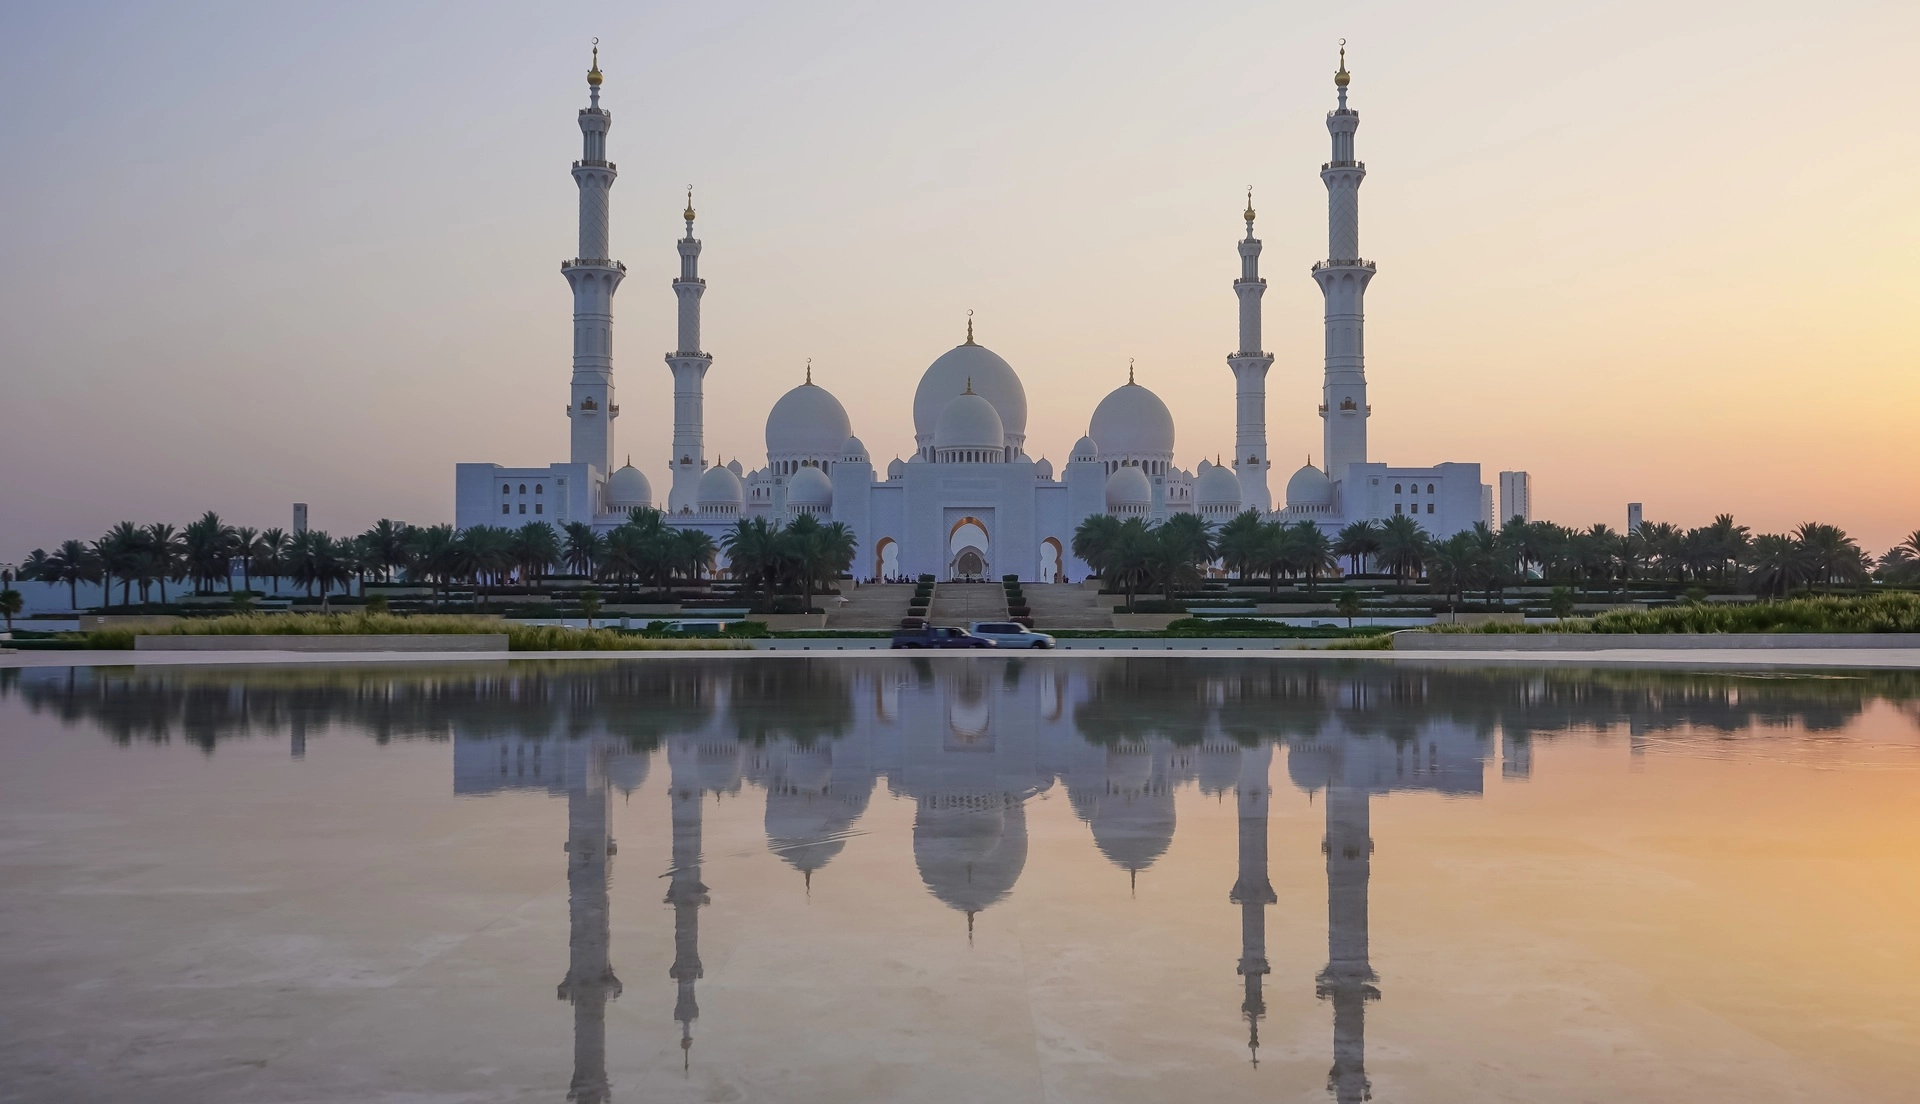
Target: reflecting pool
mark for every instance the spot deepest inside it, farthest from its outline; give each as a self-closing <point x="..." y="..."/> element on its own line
<point x="775" y="878"/>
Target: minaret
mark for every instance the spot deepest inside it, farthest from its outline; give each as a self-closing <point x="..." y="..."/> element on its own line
<point x="689" y="366"/>
<point x="686" y="893"/>
<point x="590" y="982"/>
<point x="1343" y="278"/>
<point x="1253" y="892"/>
<point x="594" y="277"/>
<point x="1250" y="364"/>
<point x="1348" y="979"/>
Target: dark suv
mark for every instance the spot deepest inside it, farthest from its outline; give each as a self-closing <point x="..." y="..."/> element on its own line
<point x="938" y="636"/>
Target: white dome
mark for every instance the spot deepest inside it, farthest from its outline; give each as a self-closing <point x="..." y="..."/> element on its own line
<point x="990" y="377"/>
<point x="810" y="487"/>
<point x="1309" y="487"/>
<point x="627" y="489"/>
<point x="809" y="422"/>
<point x="853" y="452"/>
<point x="1217" y="486"/>
<point x="1084" y="450"/>
<point x="719" y="487"/>
<point x="969" y="421"/>
<point x="733" y="466"/>
<point x="1132" y="421"/>
<point x="1128" y="487"/>
<point x="896" y="469"/>
<point x="1044" y="469"/>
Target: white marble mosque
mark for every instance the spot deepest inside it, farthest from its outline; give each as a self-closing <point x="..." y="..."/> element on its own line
<point x="970" y="499"/>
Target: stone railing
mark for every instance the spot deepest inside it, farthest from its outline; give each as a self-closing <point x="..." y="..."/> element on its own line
<point x="591" y="164"/>
<point x="1361" y="165"/>
<point x="1349" y="263"/>
<point x="592" y="262"/>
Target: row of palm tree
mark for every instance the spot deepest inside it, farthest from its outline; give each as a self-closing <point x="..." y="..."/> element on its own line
<point x="803" y="555"/>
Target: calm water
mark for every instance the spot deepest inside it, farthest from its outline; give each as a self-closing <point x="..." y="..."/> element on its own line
<point x="957" y="879"/>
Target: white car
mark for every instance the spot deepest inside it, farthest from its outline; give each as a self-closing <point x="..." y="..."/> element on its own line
<point x="1010" y="634"/>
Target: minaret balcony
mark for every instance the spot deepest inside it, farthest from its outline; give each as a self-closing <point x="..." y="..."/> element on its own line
<point x="590" y="164"/>
<point x="1355" y="262"/>
<point x="592" y="262"/>
<point x="1257" y="281"/>
<point x="1361" y="165"/>
<point x="701" y="280"/>
<point x="682" y="354"/>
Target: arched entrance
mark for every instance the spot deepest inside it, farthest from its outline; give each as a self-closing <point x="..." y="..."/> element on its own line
<point x="967" y="550"/>
<point x="1053" y="561"/>
<point x="886" y="558"/>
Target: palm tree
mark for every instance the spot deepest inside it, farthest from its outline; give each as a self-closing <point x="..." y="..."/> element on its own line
<point x="1777" y="565"/>
<point x="39" y="567"/>
<point x="270" y="555"/>
<point x="750" y="552"/>
<point x="168" y="554"/>
<point x="583" y="548"/>
<point x="1403" y="547"/>
<point x="1451" y="563"/>
<point x="246" y="544"/>
<point x="72" y="563"/>
<point x="1239" y="540"/>
<point x="536" y="548"/>
<point x="309" y="560"/>
<point x="1130" y="556"/>
<point x="10" y="604"/>
<point x="207" y="552"/>
<point x="1182" y="545"/>
<point x="1728" y="543"/>
<point x="1834" y="556"/>
<point x="1359" y="541"/>
<point x="116" y="551"/>
<point x="489" y="555"/>
<point x="693" y="550"/>
<point x="1312" y="553"/>
<point x="386" y="547"/>
<point x="1093" y="541"/>
<point x="626" y="556"/>
<point x="434" y="554"/>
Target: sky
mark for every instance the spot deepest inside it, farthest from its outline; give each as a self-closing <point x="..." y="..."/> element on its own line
<point x="254" y="254"/>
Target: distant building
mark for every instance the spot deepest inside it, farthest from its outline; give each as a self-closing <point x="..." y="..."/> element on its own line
<point x="299" y="517"/>
<point x="1516" y="495"/>
<point x="1633" y="516"/>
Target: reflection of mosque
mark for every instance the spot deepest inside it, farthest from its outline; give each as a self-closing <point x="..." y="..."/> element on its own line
<point x="969" y="743"/>
<point x="969" y="747"/>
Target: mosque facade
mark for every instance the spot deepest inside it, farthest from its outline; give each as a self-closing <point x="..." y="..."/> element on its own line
<point x="969" y="500"/>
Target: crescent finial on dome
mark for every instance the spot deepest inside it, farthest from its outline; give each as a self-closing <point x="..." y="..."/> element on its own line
<point x="688" y="213"/>
<point x="969" y="340"/>
<point x="593" y="74"/>
<point x="809" y="371"/>
<point x="1248" y="213"/>
<point x="1130" y="372"/>
<point x="1342" y="77"/>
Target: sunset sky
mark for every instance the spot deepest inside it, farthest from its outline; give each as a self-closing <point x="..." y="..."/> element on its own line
<point x="257" y="254"/>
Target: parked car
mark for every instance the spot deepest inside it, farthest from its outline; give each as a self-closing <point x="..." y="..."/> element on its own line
<point x="938" y="636"/>
<point x="1011" y="634"/>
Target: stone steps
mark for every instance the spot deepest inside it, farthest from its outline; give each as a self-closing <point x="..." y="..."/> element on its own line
<point x="964" y="603"/>
<point x="873" y="606"/>
<point x="1068" y="606"/>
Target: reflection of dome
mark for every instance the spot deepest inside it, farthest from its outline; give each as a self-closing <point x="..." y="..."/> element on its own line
<point x="1309" y="487"/>
<point x="807" y="421"/>
<point x="1132" y="421"/>
<point x="992" y="379"/>
<point x="811" y="488"/>
<point x="627" y="489"/>
<point x="970" y="849"/>
<point x="1132" y="820"/>
<point x="1128" y="487"/>
<point x="1217" y="486"/>
<point x="719" y="487"/>
<point x="807" y="819"/>
<point x="1219" y="768"/>
<point x="968" y="421"/>
<point x="968" y="718"/>
<point x="628" y="772"/>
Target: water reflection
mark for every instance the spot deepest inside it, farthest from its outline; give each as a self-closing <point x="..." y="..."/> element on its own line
<point x="970" y="743"/>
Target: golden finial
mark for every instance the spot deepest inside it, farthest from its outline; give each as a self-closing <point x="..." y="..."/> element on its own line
<point x="1129" y="371"/>
<point x="688" y="213"/>
<point x="593" y="74"/>
<point x="1248" y="213"/>
<point x="809" y="371"/>
<point x="969" y="326"/>
<point x="1341" y="78"/>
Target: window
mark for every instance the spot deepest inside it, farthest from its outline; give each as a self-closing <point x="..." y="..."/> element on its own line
<point x="539" y="507"/>
<point x="506" y="488"/>
<point x="1396" y="490"/>
<point x="538" y="487"/>
<point x="1396" y="508"/>
<point x="523" y="488"/>
<point x="1429" y="488"/>
<point x="523" y="507"/>
<point x="505" y="509"/>
<point x="1429" y="507"/>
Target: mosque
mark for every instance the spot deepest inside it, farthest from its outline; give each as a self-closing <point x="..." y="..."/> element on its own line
<point x="970" y="500"/>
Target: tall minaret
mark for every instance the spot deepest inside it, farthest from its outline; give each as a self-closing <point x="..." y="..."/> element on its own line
<point x="1343" y="280"/>
<point x="685" y="891"/>
<point x="1348" y="979"/>
<point x="1250" y="364"/>
<point x="689" y="366"/>
<point x="593" y="276"/>
<point x="1253" y="892"/>
<point x="590" y="982"/>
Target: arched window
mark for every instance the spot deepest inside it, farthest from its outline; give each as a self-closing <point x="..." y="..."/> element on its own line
<point x="1396" y="490"/>
<point x="1429" y="488"/>
<point x="523" y="488"/>
<point x="538" y="488"/>
<point x="506" y="488"/>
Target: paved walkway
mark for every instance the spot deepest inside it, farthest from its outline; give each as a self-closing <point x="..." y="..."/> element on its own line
<point x="1068" y="606"/>
<point x="965" y="603"/>
<point x="874" y="606"/>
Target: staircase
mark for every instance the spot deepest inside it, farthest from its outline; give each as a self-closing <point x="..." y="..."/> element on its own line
<point x="1068" y="606"/>
<point x="964" y="603"/>
<point x="874" y="606"/>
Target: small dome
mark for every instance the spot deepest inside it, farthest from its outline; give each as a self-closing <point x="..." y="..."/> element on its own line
<point x="811" y="488"/>
<point x="1044" y="469"/>
<point x="897" y="468"/>
<point x="1132" y="421"/>
<point x="733" y="466"/>
<point x="1084" y="452"/>
<point x="1217" y="486"/>
<point x="853" y="452"/>
<point x="719" y="487"/>
<point x="809" y="422"/>
<point x="1309" y="487"/>
<point x="976" y="368"/>
<point x="1128" y="487"/>
<point x="627" y="489"/>
<point x="969" y="421"/>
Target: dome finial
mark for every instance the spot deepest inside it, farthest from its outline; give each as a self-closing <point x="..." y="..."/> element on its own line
<point x="809" y="371"/>
<point x="1129" y="371"/>
<point x="688" y="213"/>
<point x="593" y="74"/>
<point x="1341" y="77"/>
<point x="969" y="385"/>
<point x="1248" y="213"/>
<point x="969" y="340"/>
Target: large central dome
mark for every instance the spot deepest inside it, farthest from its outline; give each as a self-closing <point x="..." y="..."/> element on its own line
<point x="992" y="379"/>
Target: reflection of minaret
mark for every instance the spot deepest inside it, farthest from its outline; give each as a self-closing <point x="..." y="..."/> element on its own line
<point x="686" y="894"/>
<point x="589" y="983"/>
<point x="1253" y="892"/>
<point x="1348" y="978"/>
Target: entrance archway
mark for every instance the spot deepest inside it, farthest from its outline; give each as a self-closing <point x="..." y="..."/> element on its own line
<point x="886" y="558"/>
<point x="968" y="546"/>
<point x="970" y="564"/>
<point x="1053" y="561"/>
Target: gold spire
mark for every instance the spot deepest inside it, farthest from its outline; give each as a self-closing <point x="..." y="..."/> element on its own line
<point x="969" y="340"/>
<point x="1129" y="371"/>
<point x="593" y="74"/>
<point x="688" y="213"/>
<point x="1248" y="213"/>
<point x="809" y="371"/>
<point x="1341" y="78"/>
